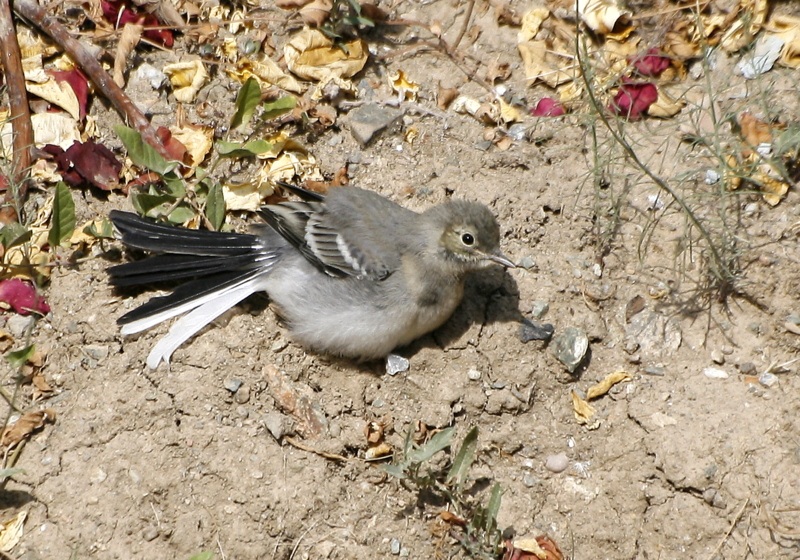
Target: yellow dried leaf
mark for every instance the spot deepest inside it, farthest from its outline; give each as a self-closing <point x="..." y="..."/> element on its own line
<point x="602" y="16"/>
<point x="531" y="24"/>
<point x="751" y="17"/>
<point x="313" y="56"/>
<point x="583" y="410"/>
<point x="508" y="113"/>
<point x="405" y="89"/>
<point x="198" y="140"/>
<point x="542" y="63"/>
<point x="246" y="196"/>
<point x="773" y="188"/>
<point x="604" y="386"/>
<point x="265" y="70"/>
<point x="380" y="451"/>
<point x="665" y="106"/>
<point x="11" y="531"/>
<point x="60" y="94"/>
<point x="229" y="50"/>
<point x="186" y="78"/>
<point x="787" y="28"/>
<point x="29" y="259"/>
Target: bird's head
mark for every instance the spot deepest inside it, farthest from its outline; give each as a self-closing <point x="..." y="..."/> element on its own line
<point x="470" y="235"/>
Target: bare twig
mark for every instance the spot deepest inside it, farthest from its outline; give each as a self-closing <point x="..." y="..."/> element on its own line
<point x="20" y="112"/>
<point x="33" y="12"/>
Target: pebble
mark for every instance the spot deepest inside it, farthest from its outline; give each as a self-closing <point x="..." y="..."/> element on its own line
<point x="539" y="309"/>
<point x="767" y="379"/>
<point x="557" y="463"/>
<point x="474" y="374"/>
<point x="18" y="325"/>
<point x="658" y="371"/>
<point x="717" y="357"/>
<point x="396" y="364"/>
<point x="746" y="368"/>
<point x="242" y="395"/>
<point x="570" y="347"/>
<point x="713" y="498"/>
<point x="97" y="352"/>
<point x="715" y="373"/>
<point x="529" y="480"/>
<point x="149" y="533"/>
<point x="369" y="119"/>
<point x="275" y="424"/>
<point x="232" y="384"/>
<point x="530" y="330"/>
<point x="527" y="263"/>
<point x="395" y="546"/>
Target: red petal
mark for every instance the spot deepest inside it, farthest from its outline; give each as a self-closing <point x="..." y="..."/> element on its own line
<point x="22" y="297"/>
<point x="96" y="164"/>
<point x="633" y="99"/>
<point x="548" y="107"/>
<point x="79" y="84"/>
<point x="652" y="63"/>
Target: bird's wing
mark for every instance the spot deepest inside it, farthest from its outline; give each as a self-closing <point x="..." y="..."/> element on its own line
<point x="351" y="233"/>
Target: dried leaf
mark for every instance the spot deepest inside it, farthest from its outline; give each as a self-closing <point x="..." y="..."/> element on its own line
<point x="603" y="16"/>
<point x="186" y="78"/>
<point x="583" y="410"/>
<point x="604" y="386"/>
<point x="125" y="46"/>
<point x="297" y="400"/>
<point x="665" y="106"/>
<point x="405" y="89"/>
<point x="548" y="107"/>
<point x="311" y="55"/>
<point x="267" y="71"/>
<point x="316" y="12"/>
<point x="25" y="426"/>
<point x="11" y="531"/>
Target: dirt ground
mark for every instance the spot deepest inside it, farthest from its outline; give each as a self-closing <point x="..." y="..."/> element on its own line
<point x="675" y="465"/>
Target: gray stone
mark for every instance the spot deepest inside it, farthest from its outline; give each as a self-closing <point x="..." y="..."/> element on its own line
<point x="570" y="347"/>
<point x="369" y="119"/>
<point x="539" y="309"/>
<point x="530" y="330"/>
<point x="275" y="424"/>
<point x="232" y="384"/>
<point x="97" y="352"/>
<point x="18" y="325"/>
<point x="396" y="364"/>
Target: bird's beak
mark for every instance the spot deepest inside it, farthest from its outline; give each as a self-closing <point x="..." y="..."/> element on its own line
<point x="501" y="259"/>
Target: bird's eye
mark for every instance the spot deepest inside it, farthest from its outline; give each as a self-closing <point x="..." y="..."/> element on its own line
<point x="467" y="239"/>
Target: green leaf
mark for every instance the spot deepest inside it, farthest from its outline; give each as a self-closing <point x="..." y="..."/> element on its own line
<point x="237" y="149"/>
<point x="493" y="508"/>
<point x="142" y="153"/>
<point x="464" y="458"/>
<point x="215" y="206"/>
<point x="19" y="358"/>
<point x="14" y="234"/>
<point x="8" y="473"/>
<point x="203" y="556"/>
<point x="100" y="229"/>
<point x="396" y="471"/>
<point x="181" y="215"/>
<point x="437" y="443"/>
<point x="175" y="186"/>
<point x="62" y="222"/>
<point x="247" y="100"/>
<point x="146" y="204"/>
<point x="281" y="106"/>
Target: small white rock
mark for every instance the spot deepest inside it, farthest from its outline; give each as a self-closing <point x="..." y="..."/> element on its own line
<point x="715" y="373"/>
<point x="557" y="463"/>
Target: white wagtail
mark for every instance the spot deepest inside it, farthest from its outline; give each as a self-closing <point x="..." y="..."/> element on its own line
<point x="352" y="273"/>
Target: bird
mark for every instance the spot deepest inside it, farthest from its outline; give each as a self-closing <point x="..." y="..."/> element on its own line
<point x="350" y="273"/>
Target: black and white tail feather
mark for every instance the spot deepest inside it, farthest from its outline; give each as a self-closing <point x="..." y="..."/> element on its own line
<point x="226" y="268"/>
